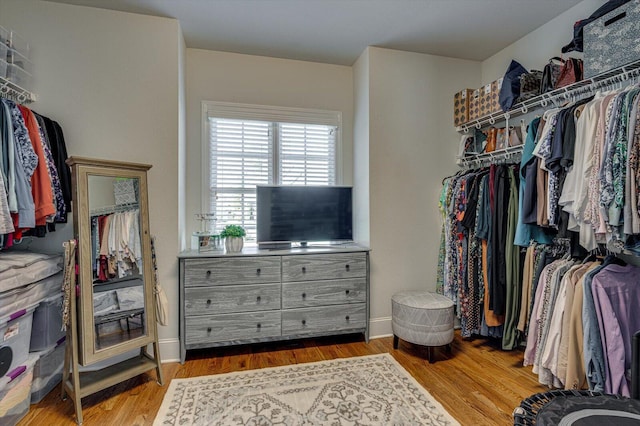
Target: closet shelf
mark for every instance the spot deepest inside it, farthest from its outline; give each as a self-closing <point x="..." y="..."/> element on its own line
<point x="558" y="96"/>
<point x="506" y="155"/>
<point x="14" y="92"/>
<point x="116" y="208"/>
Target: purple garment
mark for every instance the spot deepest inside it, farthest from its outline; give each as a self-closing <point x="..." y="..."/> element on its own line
<point x="616" y="296"/>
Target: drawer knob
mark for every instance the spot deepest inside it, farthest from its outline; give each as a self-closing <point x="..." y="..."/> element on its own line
<point x="304" y="295"/>
<point x="259" y="326"/>
<point x="346" y="266"/>
<point x="208" y="329"/>
<point x="208" y="302"/>
<point x="258" y="271"/>
<point x="208" y="274"/>
<point x="304" y="322"/>
<point x="304" y="270"/>
<point x="258" y="299"/>
<point x="346" y="292"/>
<point x="347" y="318"/>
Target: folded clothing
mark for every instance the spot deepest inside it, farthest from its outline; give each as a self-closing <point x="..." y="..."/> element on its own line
<point x="17" y="298"/>
<point x="21" y="268"/>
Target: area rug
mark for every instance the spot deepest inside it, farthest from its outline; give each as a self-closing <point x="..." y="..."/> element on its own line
<point x="368" y="390"/>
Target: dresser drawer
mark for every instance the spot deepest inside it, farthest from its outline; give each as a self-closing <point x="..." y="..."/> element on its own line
<point x="231" y="298"/>
<point x="230" y="327"/>
<point x="313" y="293"/>
<point x="323" y="266"/>
<point x="231" y="270"/>
<point x="324" y="319"/>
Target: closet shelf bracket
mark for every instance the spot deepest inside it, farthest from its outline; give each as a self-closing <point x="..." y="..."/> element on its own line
<point x="10" y="90"/>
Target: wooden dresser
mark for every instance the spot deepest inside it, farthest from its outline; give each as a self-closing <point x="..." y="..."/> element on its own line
<point x="268" y="295"/>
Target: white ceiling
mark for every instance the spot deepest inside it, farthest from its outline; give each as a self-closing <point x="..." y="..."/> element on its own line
<point x="337" y="31"/>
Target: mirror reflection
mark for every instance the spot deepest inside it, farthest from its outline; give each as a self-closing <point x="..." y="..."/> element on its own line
<point x="118" y="290"/>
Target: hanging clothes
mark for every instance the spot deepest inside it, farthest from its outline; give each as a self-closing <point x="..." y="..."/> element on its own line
<point x="36" y="180"/>
<point x="117" y="250"/>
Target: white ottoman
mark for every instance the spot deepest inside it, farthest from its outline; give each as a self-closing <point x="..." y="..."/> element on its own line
<point x="422" y="318"/>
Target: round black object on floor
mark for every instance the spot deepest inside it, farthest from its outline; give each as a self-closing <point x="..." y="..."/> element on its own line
<point x="577" y="408"/>
<point x="6" y="356"/>
<point x="590" y="411"/>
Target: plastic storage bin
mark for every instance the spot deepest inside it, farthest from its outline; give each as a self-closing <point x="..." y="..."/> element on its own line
<point x="15" y="335"/>
<point x="4" y="47"/>
<point x="3" y="66"/>
<point x="47" y="372"/>
<point x="47" y="324"/>
<point x="18" y="43"/>
<point x="18" y="76"/>
<point x="4" y="36"/>
<point x="15" y="393"/>
<point x="14" y="57"/>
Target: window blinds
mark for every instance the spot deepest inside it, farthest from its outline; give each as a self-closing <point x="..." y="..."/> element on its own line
<point x="306" y="154"/>
<point x="241" y="158"/>
<point x="251" y="145"/>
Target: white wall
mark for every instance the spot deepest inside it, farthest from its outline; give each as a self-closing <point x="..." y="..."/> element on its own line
<point x="534" y="50"/>
<point x="182" y="144"/>
<point x="361" y="212"/>
<point x="412" y="147"/>
<point x="231" y="77"/>
<point x="111" y="80"/>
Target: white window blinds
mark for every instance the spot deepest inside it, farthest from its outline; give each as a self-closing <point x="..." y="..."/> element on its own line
<point x="307" y="154"/>
<point x="241" y="158"/>
<point x="279" y="146"/>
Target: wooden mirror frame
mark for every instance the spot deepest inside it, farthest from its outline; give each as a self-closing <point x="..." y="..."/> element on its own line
<point x="82" y="168"/>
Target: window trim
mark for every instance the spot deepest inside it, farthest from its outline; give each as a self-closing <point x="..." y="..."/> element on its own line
<point x="240" y="111"/>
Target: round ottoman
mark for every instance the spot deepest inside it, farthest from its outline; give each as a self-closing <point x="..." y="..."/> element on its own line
<point x="422" y="318"/>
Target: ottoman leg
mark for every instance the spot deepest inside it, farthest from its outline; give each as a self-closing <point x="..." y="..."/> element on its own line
<point x="395" y="342"/>
<point x="430" y="355"/>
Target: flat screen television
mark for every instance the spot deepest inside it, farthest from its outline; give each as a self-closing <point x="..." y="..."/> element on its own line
<point x="302" y="214"/>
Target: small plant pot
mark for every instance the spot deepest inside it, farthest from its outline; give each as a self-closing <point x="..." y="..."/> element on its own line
<point x="233" y="244"/>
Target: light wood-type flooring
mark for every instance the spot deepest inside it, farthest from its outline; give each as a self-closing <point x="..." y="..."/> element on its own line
<point x="478" y="383"/>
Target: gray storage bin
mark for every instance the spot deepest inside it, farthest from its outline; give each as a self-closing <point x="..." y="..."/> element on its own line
<point x="47" y="324"/>
<point x="47" y="372"/>
<point x="611" y="41"/>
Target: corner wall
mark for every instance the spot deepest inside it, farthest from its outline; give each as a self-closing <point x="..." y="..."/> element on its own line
<point x="412" y="147"/>
<point x="361" y="122"/>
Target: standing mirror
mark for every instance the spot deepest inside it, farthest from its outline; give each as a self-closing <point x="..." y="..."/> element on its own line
<point x="116" y="261"/>
<point x="116" y="289"/>
<point x="115" y="307"/>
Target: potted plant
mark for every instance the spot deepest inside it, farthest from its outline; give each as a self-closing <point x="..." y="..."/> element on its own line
<point x="233" y="238"/>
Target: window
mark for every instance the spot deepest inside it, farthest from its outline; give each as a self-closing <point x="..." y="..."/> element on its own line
<point x="249" y="145"/>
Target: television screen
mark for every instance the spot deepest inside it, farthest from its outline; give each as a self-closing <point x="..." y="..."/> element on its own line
<point x="303" y="214"/>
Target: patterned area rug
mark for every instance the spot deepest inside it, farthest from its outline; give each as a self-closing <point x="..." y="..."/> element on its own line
<point x="369" y="390"/>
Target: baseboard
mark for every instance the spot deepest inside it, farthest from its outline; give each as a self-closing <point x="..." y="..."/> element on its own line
<point x="380" y="327"/>
<point x="169" y="350"/>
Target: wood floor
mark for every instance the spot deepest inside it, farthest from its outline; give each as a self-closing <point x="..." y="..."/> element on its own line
<point x="478" y="383"/>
